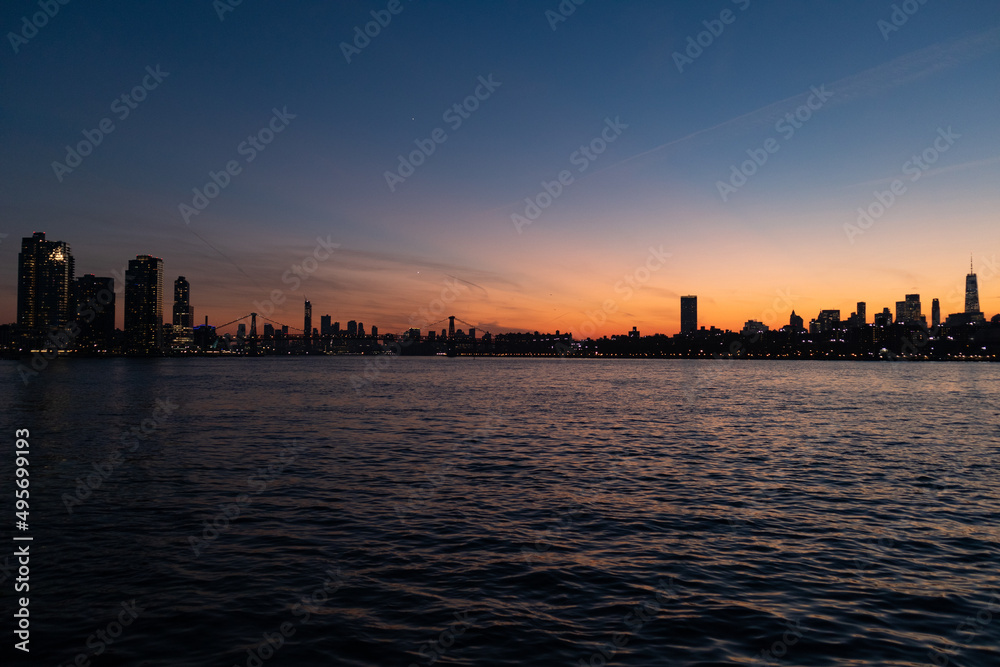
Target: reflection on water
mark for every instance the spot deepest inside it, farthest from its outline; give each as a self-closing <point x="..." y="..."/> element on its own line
<point x="513" y="511"/>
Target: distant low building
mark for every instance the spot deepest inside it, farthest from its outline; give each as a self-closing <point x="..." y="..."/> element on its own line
<point x="753" y="327"/>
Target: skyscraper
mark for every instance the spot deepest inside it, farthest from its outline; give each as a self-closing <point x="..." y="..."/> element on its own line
<point x="689" y="314"/>
<point x="971" y="292"/>
<point x="828" y="320"/>
<point x="796" y="322"/>
<point x="935" y="313"/>
<point x="909" y="311"/>
<point x="862" y="312"/>
<point x="183" y="312"/>
<point x="44" y="284"/>
<point x="144" y="304"/>
<point x="95" y="311"/>
<point x="307" y="323"/>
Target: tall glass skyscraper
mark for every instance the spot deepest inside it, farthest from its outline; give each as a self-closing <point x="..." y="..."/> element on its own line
<point x="689" y="314"/>
<point x="144" y="304"/>
<point x="971" y="292"/>
<point x="44" y="284"/>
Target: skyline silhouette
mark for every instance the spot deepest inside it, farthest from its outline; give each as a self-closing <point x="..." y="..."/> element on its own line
<point x="59" y="310"/>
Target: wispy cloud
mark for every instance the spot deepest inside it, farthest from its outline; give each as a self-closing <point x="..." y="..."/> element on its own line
<point x="931" y="172"/>
<point x="901" y="71"/>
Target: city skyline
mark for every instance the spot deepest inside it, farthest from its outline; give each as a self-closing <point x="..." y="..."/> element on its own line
<point x="856" y="169"/>
<point x="47" y="283"/>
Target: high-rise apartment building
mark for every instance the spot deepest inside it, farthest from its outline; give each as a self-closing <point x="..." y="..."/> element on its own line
<point x="44" y="284"/>
<point x="144" y="304"/>
<point x="95" y="311"/>
<point x="183" y="312"/>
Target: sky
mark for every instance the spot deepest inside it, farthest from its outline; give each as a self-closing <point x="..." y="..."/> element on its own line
<point x="604" y="158"/>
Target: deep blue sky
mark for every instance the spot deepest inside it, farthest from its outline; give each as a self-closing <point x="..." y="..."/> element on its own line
<point x="656" y="185"/>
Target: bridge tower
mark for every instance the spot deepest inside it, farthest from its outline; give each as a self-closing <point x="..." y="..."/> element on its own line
<point x="451" y="327"/>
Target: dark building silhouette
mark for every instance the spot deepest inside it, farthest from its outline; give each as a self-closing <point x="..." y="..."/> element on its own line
<point x="183" y="312"/>
<point x="862" y="313"/>
<point x="796" y="322"/>
<point x="204" y="336"/>
<point x="884" y="318"/>
<point x="307" y="322"/>
<point x="689" y="314"/>
<point x="827" y="320"/>
<point x="935" y="313"/>
<point x="44" y="284"/>
<point x="95" y="311"/>
<point x="144" y="304"/>
<point x="325" y="326"/>
<point x="352" y="328"/>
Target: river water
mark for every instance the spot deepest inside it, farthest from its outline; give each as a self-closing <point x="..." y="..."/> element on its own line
<point x="417" y="511"/>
